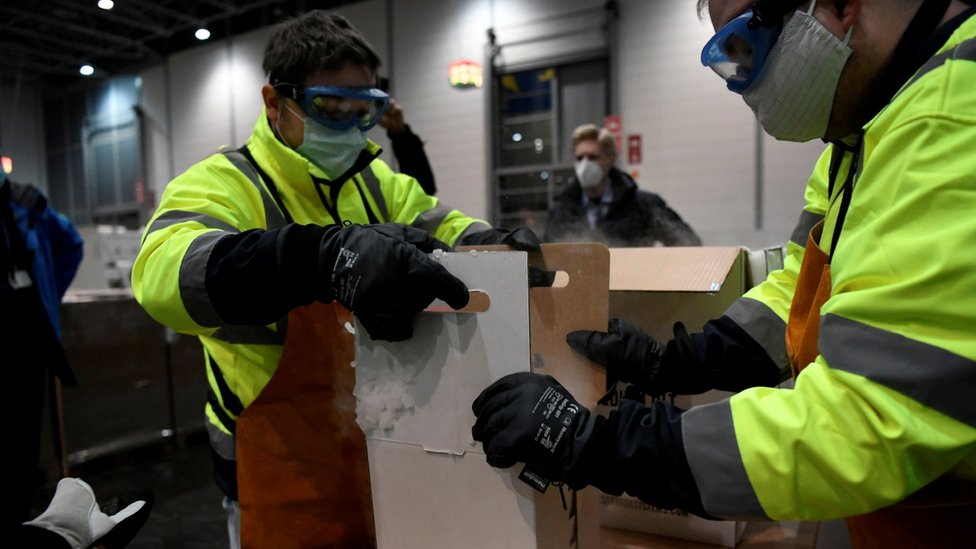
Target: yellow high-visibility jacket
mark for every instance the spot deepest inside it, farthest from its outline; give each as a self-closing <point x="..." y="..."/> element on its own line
<point x="225" y="195"/>
<point x="890" y="403"/>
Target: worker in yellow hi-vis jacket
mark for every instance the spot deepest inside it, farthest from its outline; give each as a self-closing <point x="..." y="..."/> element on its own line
<point x="248" y="244"/>
<point x="874" y="312"/>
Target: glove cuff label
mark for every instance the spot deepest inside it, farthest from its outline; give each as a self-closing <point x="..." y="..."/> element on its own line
<point x="533" y="479"/>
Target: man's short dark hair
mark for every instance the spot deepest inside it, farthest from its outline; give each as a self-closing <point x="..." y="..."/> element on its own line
<point x="312" y="42"/>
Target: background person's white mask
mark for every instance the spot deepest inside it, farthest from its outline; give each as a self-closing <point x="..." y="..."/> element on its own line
<point x="794" y="94"/>
<point x="589" y="174"/>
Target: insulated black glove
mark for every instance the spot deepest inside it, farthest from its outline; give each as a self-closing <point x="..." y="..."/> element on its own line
<point x="380" y="272"/>
<point x="522" y="239"/>
<point x="627" y="353"/>
<point x="383" y="274"/>
<point x="533" y="419"/>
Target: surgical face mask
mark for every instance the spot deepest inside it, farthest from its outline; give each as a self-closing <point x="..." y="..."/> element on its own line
<point x="589" y="174"/>
<point x="333" y="151"/>
<point x="794" y="94"/>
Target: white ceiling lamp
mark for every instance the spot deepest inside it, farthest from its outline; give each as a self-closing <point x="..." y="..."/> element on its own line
<point x="106" y="4"/>
<point x="202" y="34"/>
<point x="86" y="70"/>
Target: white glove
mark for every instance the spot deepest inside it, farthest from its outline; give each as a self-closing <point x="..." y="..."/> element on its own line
<point x="74" y="514"/>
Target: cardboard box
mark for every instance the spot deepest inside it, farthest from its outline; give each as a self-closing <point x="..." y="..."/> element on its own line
<point x="653" y="288"/>
<point x="430" y="483"/>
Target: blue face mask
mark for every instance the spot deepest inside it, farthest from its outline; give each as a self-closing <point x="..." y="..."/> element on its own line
<point x="333" y="151"/>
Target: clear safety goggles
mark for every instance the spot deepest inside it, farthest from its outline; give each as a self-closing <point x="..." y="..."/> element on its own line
<point x="737" y="52"/>
<point x="339" y="108"/>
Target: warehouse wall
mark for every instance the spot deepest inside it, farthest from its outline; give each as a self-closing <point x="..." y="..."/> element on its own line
<point x="700" y="141"/>
<point x="22" y="132"/>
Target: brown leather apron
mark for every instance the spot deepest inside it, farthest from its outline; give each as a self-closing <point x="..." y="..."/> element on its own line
<point x="302" y="474"/>
<point x="940" y="515"/>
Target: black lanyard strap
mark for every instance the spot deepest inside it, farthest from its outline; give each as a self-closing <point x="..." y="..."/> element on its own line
<point x="846" y="191"/>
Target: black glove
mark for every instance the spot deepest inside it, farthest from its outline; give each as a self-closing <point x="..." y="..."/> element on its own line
<point x="522" y="239"/>
<point x="533" y="419"/>
<point x="383" y="274"/>
<point x="627" y="353"/>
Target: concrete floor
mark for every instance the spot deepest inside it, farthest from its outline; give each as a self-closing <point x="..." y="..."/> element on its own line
<point x="187" y="513"/>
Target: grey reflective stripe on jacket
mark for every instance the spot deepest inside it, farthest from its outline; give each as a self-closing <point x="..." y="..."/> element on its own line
<point x="431" y="219"/>
<point x="272" y="215"/>
<point x="223" y="444"/>
<point x="965" y="51"/>
<point x="929" y="375"/>
<point x="376" y="191"/>
<point x="255" y="335"/>
<point x="175" y="217"/>
<point x="193" y="273"/>
<point x="475" y="227"/>
<point x="713" y="456"/>
<point x="803" y="227"/>
<point x="764" y="326"/>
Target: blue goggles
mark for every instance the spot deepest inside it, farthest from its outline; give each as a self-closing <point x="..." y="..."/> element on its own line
<point x="738" y="50"/>
<point x="339" y="108"/>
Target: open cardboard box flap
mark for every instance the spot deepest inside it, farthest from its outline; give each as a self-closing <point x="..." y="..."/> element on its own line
<point x="671" y="269"/>
<point x="653" y="288"/>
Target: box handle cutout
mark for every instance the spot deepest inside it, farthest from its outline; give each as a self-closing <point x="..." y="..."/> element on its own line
<point x="478" y="302"/>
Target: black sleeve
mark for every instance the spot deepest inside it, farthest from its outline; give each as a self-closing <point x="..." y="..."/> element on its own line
<point x="639" y="450"/>
<point x="409" y="152"/>
<point x="257" y="276"/>
<point x="722" y="356"/>
<point x="667" y="225"/>
<point x="35" y="537"/>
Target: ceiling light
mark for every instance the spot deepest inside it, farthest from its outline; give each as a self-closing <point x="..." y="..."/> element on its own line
<point x="87" y="70"/>
<point x="106" y="4"/>
<point x="202" y="34"/>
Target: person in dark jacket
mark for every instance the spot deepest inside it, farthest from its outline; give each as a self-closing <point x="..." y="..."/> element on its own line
<point x="604" y="204"/>
<point x="40" y="252"/>
<point x="408" y="148"/>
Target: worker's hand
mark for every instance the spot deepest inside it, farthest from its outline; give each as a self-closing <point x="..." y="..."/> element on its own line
<point x="382" y="273"/>
<point x="75" y="515"/>
<point x="522" y="239"/>
<point x="626" y="352"/>
<point x="533" y="419"/>
<point x="392" y="119"/>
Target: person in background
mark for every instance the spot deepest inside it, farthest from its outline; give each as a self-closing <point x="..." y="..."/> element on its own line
<point x="873" y="313"/>
<point x="247" y="243"/>
<point x="40" y="251"/>
<point x="604" y="204"/>
<point x="408" y="148"/>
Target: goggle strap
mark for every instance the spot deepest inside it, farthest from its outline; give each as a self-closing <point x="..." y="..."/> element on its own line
<point x="769" y="13"/>
<point x="290" y="90"/>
